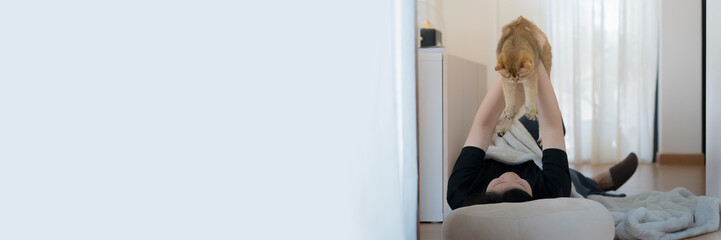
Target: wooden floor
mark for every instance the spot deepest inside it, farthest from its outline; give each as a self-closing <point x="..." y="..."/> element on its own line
<point x="647" y="177"/>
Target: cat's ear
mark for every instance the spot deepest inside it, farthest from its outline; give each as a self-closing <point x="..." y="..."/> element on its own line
<point x="527" y="65"/>
<point x="526" y="61"/>
<point x="525" y="69"/>
<point x="499" y="65"/>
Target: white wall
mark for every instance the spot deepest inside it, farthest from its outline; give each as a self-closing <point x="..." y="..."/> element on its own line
<point x="468" y="27"/>
<point x="196" y="120"/>
<point x="713" y="98"/>
<point x="680" y="77"/>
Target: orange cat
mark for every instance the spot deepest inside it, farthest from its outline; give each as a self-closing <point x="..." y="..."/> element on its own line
<point x="518" y="57"/>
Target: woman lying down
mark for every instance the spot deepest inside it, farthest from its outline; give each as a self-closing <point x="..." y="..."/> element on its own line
<point x="478" y="181"/>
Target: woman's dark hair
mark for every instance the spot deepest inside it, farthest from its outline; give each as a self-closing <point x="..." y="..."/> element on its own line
<point x="513" y="195"/>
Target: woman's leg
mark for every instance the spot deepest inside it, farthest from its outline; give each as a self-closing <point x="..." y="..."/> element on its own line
<point x="618" y="174"/>
<point x="605" y="181"/>
<point x="583" y="185"/>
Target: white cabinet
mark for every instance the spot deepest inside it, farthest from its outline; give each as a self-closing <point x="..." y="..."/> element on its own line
<point x="430" y="134"/>
<point x="449" y="92"/>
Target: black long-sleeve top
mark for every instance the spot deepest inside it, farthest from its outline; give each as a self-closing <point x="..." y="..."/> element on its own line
<point x="472" y="173"/>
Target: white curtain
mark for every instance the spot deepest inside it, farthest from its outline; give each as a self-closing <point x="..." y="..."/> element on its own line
<point x="604" y="73"/>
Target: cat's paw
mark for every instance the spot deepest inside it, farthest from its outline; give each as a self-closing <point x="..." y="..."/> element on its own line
<point x="531" y="113"/>
<point x="509" y="113"/>
<point x="500" y="130"/>
<point x="503" y="125"/>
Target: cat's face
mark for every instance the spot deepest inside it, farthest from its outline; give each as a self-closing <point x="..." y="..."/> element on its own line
<point x="515" y="66"/>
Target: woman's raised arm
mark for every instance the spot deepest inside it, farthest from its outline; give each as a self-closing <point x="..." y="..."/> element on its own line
<point x="484" y="123"/>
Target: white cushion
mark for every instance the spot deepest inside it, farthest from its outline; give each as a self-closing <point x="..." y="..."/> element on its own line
<point x="559" y="218"/>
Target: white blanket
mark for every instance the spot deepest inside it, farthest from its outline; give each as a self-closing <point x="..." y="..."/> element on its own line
<point x="676" y="214"/>
<point x="515" y="147"/>
<point x="518" y="146"/>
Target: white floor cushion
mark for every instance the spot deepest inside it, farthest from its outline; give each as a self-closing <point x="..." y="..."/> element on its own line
<point x="559" y="218"/>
